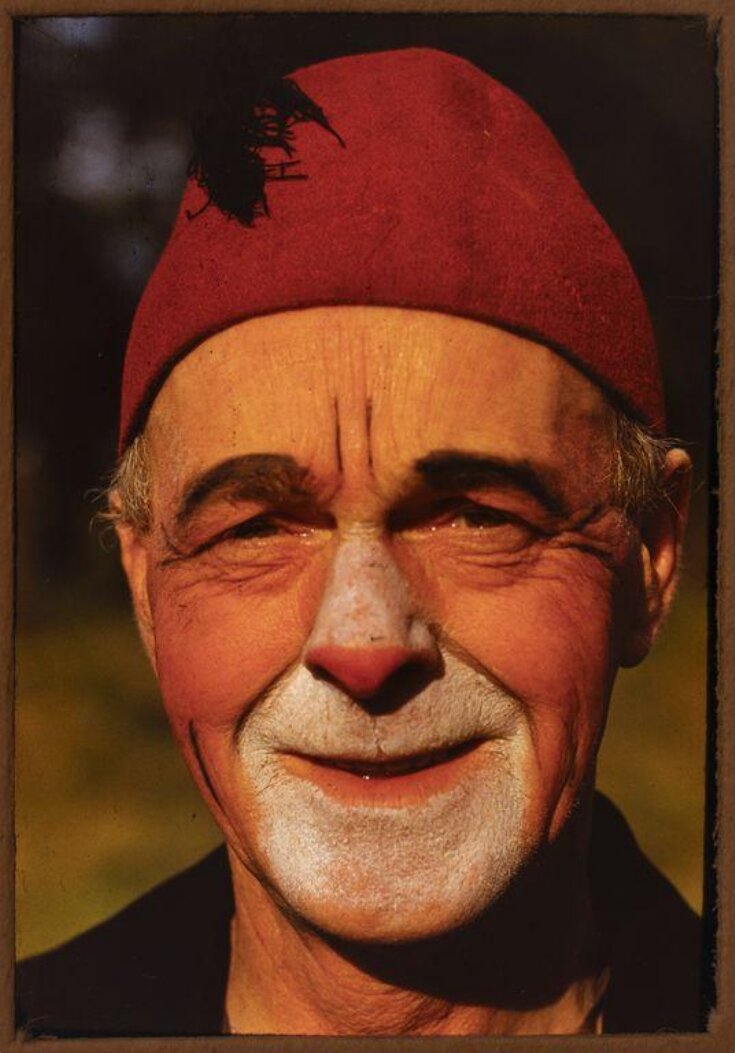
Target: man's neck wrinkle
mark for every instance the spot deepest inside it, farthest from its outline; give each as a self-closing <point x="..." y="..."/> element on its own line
<point x="324" y="991"/>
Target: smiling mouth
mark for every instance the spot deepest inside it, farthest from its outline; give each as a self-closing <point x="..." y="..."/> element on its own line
<point x="392" y="768"/>
<point x="393" y="782"/>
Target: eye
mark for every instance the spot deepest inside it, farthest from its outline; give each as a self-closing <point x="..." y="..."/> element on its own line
<point x="476" y="517"/>
<point x="256" y="528"/>
<point x="481" y="516"/>
<point x="456" y="513"/>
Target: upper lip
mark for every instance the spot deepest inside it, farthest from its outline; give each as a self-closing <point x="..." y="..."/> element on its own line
<point x="392" y="764"/>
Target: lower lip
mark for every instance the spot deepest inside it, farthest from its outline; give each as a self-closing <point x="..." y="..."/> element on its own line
<point x="384" y="791"/>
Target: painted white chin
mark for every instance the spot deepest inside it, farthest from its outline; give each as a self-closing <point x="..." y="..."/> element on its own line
<point x="389" y="870"/>
<point x="394" y="874"/>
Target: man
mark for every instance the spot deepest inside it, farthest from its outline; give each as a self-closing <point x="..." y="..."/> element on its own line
<point x="394" y="504"/>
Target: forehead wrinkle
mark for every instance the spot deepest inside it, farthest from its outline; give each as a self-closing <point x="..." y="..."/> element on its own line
<point x="337" y="437"/>
<point x="352" y="403"/>
<point x="331" y="387"/>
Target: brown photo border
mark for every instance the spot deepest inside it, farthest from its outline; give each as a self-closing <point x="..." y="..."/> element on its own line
<point x="720" y="1034"/>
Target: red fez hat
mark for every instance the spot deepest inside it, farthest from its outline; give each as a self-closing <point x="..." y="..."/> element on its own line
<point x="442" y="190"/>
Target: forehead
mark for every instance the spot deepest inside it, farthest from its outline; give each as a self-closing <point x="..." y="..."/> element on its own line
<point x="335" y="384"/>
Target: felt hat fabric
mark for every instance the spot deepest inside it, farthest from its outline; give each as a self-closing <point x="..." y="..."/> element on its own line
<point x="441" y="190"/>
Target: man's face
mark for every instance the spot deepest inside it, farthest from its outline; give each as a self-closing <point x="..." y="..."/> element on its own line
<point x="381" y="593"/>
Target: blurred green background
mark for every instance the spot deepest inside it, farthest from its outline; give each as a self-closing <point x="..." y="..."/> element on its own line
<point x="104" y="805"/>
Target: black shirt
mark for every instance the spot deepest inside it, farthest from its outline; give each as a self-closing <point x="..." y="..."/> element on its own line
<point x="159" y="967"/>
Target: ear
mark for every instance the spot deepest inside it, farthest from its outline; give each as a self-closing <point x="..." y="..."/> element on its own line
<point x="661" y="529"/>
<point x="134" y="557"/>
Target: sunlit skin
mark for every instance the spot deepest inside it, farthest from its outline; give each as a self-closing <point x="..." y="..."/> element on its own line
<point x="367" y="509"/>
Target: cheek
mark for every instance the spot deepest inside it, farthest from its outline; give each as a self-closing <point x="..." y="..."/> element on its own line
<point x="218" y="645"/>
<point x="547" y="638"/>
<point x="548" y="643"/>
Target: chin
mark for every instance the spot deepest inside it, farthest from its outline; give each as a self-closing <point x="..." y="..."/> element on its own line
<point x="382" y="875"/>
<point x="394" y="916"/>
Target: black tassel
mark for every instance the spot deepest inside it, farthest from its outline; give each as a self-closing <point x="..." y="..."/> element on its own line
<point x="229" y="136"/>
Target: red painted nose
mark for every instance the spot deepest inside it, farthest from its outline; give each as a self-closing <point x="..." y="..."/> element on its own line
<point x="361" y="671"/>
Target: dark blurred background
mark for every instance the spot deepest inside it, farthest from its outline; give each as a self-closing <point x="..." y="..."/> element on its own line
<point x="103" y="112"/>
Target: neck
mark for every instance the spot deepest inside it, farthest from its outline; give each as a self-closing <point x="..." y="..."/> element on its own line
<point x="531" y="965"/>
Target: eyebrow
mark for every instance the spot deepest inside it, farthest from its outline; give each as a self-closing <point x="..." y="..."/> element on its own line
<point x="459" y="469"/>
<point x="269" y="477"/>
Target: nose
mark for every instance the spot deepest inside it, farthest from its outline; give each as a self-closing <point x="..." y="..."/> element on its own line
<point x="367" y="628"/>
<point x="362" y="671"/>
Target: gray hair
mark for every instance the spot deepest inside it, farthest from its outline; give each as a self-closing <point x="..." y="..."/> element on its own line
<point x="635" y="475"/>
<point x="637" y="480"/>
<point x="127" y="497"/>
